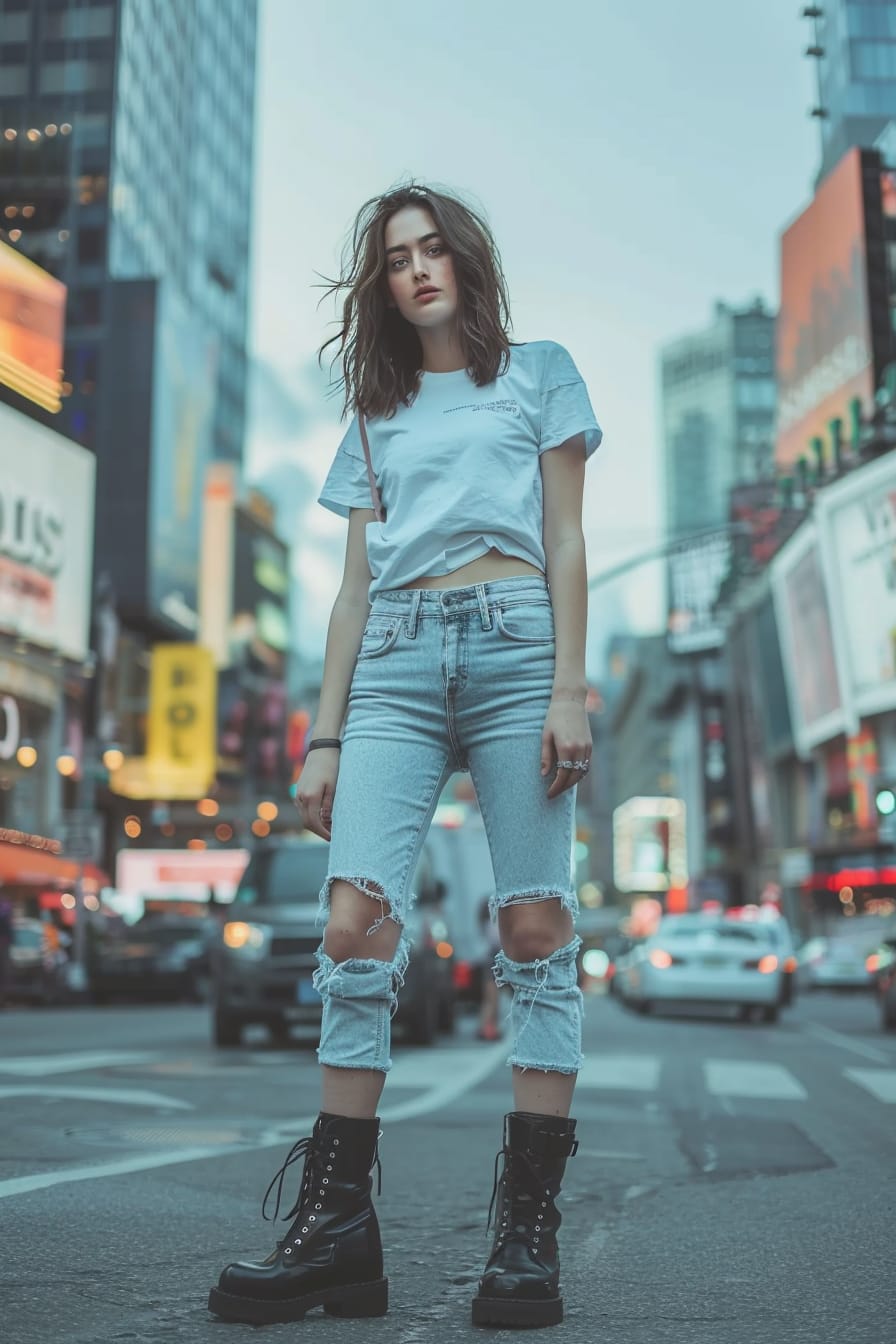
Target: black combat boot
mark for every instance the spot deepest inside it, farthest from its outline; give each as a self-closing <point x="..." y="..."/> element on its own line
<point x="521" y="1283"/>
<point x="331" y="1257"/>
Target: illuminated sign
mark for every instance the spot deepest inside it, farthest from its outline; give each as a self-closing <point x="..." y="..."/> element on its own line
<point x="32" y="325"/>
<point x="650" y="844"/>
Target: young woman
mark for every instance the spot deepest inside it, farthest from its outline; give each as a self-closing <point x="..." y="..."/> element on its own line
<point x="456" y="642"/>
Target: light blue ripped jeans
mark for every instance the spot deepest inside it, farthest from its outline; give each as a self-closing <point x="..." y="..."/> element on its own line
<point x="451" y="679"/>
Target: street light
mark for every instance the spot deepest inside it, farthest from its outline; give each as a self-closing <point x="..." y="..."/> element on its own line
<point x="26" y="754"/>
<point x="113" y="757"/>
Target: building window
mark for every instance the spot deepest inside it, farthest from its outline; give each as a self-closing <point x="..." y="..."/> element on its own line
<point x="74" y="76"/>
<point x="78" y="24"/>
<point x="91" y="246"/>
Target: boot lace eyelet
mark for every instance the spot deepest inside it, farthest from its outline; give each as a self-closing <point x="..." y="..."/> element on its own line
<point x="329" y="1168"/>
<point x="304" y="1229"/>
<point x="335" y="1143"/>
<point x="288" y="1251"/>
<point x="325" y="1180"/>
<point x="312" y="1218"/>
<point x="318" y="1206"/>
<point x="298" y="1241"/>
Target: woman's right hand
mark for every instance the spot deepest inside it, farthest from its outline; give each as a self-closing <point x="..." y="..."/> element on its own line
<point x="316" y="789"/>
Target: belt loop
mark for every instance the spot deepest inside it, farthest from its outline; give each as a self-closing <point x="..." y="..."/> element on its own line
<point x="483" y="607"/>
<point x="413" y="614"/>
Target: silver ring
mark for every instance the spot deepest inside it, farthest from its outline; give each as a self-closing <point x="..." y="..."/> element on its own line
<point x="584" y="766"/>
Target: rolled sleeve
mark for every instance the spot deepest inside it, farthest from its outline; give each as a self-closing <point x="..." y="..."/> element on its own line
<point x="347" y="485"/>
<point x="565" y="405"/>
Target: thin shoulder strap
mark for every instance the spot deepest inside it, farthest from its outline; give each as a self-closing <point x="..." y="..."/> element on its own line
<point x="374" y="492"/>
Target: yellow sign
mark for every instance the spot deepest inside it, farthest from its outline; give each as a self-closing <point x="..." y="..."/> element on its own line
<point x="180" y="758"/>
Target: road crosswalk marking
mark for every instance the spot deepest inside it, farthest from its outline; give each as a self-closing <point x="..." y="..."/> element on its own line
<point x="740" y="1078"/>
<point x="633" y="1073"/>
<point x="881" y="1083"/>
<point x="73" y="1061"/>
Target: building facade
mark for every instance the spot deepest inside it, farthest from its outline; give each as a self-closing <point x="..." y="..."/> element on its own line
<point x="854" y="45"/>
<point x="718" y="415"/>
<point x="126" y="152"/>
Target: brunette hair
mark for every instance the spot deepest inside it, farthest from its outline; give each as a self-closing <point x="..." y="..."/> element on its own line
<point x="380" y="351"/>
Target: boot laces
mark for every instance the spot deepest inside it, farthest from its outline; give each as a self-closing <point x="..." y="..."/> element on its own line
<point x="314" y="1150"/>
<point x="513" y="1159"/>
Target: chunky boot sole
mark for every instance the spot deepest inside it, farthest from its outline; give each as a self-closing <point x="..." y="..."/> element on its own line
<point x="517" y="1313"/>
<point x="351" y="1300"/>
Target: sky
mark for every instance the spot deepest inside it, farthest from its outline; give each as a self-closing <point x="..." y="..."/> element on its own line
<point x="637" y="162"/>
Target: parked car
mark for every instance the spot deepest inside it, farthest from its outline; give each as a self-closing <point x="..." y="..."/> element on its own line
<point x="264" y="960"/>
<point x="160" y="957"/>
<point x="703" y="959"/>
<point x="31" y="978"/>
<point x="883" y="968"/>
<point x="835" y="963"/>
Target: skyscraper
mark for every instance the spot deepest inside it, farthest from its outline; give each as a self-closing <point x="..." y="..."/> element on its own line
<point x="718" y="415"/>
<point x="126" y="153"/>
<point x="854" y="44"/>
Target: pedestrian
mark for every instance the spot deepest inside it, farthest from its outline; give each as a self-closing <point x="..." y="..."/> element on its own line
<point x="456" y="642"/>
<point x="489" y="995"/>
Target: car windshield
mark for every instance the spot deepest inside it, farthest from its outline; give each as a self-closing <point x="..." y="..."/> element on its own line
<point x="292" y="875"/>
<point x="26" y="937"/>
<point x="692" y="928"/>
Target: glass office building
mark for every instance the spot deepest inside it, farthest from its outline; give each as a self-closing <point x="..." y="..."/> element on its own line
<point x="126" y="153"/>
<point x="718" y="410"/>
<point x="855" y="46"/>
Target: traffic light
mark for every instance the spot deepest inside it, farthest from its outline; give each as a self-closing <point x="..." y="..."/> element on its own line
<point x="885" y="800"/>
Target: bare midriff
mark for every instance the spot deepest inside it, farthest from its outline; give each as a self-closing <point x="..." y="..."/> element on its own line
<point x="492" y="565"/>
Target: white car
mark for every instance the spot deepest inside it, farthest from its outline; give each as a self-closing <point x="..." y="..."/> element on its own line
<point x="836" y="963"/>
<point x="704" y="959"/>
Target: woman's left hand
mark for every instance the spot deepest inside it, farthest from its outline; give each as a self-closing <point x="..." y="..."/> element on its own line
<point x="566" y="739"/>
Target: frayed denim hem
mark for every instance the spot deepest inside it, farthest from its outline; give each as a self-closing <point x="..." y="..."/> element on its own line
<point x="568" y="899"/>
<point x="368" y="887"/>
<point x="360" y="997"/>
<point x="547" y="1009"/>
<point x="526" y="1066"/>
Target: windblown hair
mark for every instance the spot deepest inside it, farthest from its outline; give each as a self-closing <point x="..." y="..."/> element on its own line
<point x="380" y="351"/>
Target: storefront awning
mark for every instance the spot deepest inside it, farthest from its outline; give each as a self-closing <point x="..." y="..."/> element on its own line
<point x="24" y="866"/>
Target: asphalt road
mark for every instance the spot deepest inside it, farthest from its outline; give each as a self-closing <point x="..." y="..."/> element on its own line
<point x="733" y="1182"/>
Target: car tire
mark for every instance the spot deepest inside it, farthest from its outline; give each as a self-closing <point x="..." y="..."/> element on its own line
<point x="888" y="1020"/>
<point x="227" y="1030"/>
<point x="643" y="1007"/>
<point x="770" y="1012"/>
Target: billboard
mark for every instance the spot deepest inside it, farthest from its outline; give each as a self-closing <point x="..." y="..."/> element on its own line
<point x="650" y="844"/>
<point x="32" y="324"/>
<point x="46" y="535"/>
<point x="856" y="520"/>
<point x="181" y="747"/>
<point x="825" y="352"/>
<point x="803" y="619"/>
<point x="183" y="406"/>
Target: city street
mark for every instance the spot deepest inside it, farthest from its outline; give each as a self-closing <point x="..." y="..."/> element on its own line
<point x="733" y="1181"/>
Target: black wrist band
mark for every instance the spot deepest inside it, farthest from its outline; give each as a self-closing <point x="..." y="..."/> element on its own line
<point x="323" y="742"/>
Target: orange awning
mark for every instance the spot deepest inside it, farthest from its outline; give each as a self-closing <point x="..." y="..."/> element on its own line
<point x="34" y="867"/>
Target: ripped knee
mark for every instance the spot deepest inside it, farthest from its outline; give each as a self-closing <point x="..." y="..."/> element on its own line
<point x="556" y="971"/>
<point x="349" y="933"/>
<point x="534" y="924"/>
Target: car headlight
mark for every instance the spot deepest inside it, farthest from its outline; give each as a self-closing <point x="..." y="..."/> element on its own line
<point x="248" y="940"/>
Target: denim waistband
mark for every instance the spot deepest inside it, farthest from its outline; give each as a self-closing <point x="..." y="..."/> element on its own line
<point x="475" y="597"/>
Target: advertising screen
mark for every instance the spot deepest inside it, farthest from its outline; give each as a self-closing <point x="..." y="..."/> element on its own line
<point x="856" y="519"/>
<point x="46" y="535"/>
<point x="32" y="322"/>
<point x="825" y="354"/>
<point x="183" y="406"/>
<point x="807" y="642"/>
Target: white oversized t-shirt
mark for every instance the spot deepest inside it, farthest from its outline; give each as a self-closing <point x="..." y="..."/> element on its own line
<point x="458" y="469"/>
